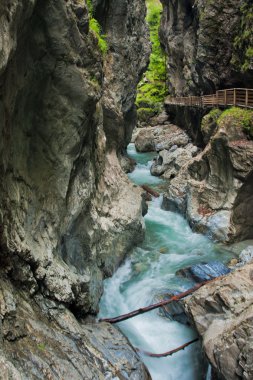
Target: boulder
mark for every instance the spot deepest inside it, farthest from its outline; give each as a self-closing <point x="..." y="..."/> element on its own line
<point x="174" y="311"/>
<point x="245" y="256"/>
<point x="169" y="162"/>
<point x="204" y="272"/>
<point x="160" y="137"/>
<point x="222" y="312"/>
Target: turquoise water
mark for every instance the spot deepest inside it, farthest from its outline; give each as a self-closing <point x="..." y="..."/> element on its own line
<point x="141" y="175"/>
<point x="147" y="273"/>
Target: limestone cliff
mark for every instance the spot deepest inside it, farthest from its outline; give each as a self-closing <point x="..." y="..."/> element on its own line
<point x="68" y="214"/>
<point x="208" y="43"/>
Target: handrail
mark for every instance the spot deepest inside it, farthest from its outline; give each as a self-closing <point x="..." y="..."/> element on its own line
<point x="240" y="97"/>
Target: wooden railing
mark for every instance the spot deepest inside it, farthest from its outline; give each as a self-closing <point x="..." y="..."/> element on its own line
<point x="240" y="97"/>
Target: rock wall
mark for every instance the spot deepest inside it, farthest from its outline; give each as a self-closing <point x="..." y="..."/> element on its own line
<point x="223" y="313"/>
<point x="68" y="214"/>
<point x="202" y="40"/>
<point x="41" y="339"/>
<point x="214" y="189"/>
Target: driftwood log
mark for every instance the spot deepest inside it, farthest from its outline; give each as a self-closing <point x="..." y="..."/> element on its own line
<point x="150" y="191"/>
<point x="143" y="310"/>
<point x="168" y="353"/>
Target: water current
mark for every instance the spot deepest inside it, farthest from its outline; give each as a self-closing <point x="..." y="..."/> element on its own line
<point x="150" y="270"/>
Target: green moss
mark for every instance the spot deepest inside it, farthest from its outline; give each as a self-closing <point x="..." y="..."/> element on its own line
<point x="243" y="42"/>
<point x="241" y="118"/>
<point x="90" y="6"/>
<point x="152" y="88"/>
<point x="41" y="346"/>
<point x="95" y="28"/>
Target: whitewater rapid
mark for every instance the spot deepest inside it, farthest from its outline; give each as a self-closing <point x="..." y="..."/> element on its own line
<point x="150" y="271"/>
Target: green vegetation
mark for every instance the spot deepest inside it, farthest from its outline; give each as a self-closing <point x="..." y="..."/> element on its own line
<point x="238" y="117"/>
<point x="243" y="43"/>
<point x="95" y="28"/>
<point x="41" y="346"/>
<point x="152" y="88"/>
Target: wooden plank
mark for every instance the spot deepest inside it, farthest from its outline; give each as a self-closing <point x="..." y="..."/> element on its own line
<point x="237" y="97"/>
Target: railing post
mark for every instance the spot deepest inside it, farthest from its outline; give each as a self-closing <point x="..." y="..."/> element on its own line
<point x="234" y="97"/>
<point x="225" y="98"/>
<point x="247" y="98"/>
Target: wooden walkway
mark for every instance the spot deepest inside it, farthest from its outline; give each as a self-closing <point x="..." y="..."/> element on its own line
<point x="239" y="97"/>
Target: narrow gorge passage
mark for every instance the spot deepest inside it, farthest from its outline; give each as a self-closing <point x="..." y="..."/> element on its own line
<point x="149" y="272"/>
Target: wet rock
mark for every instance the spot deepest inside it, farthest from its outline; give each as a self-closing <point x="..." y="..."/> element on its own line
<point x="245" y="256"/>
<point x="222" y="312"/>
<point x="128" y="164"/>
<point x="164" y="250"/>
<point x="174" y="311"/>
<point x="160" y="137"/>
<point x="204" y="272"/>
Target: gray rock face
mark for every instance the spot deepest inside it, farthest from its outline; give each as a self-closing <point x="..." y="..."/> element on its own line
<point x="200" y="45"/>
<point x="214" y="189"/>
<point x="169" y="162"/>
<point x="160" y="137"/>
<point x="64" y="223"/>
<point x="223" y="315"/>
<point x="48" y="342"/>
<point x="68" y="214"/>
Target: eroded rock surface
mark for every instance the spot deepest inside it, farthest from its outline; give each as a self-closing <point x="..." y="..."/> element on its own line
<point x="63" y="219"/>
<point x="41" y="339"/>
<point x="214" y="189"/>
<point x="68" y="213"/>
<point x="223" y="315"/>
<point x="160" y="137"/>
<point x="202" y="46"/>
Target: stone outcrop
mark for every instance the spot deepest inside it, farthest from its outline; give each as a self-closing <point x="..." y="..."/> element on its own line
<point x="160" y="137"/>
<point x="223" y="314"/>
<point x="202" y="46"/>
<point x="214" y="189"/>
<point x="62" y="217"/>
<point x="169" y="162"/>
<point x="68" y="213"/>
<point x="48" y="342"/>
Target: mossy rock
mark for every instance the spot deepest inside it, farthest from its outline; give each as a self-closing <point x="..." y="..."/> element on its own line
<point x="236" y="120"/>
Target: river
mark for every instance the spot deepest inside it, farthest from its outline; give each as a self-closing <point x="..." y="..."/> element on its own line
<point x="150" y="270"/>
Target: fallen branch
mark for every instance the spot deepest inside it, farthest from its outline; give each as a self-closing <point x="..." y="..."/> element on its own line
<point x="168" y="353"/>
<point x="151" y="191"/>
<point x="143" y="310"/>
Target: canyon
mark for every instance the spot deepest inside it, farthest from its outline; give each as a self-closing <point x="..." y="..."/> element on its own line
<point x="69" y="215"/>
